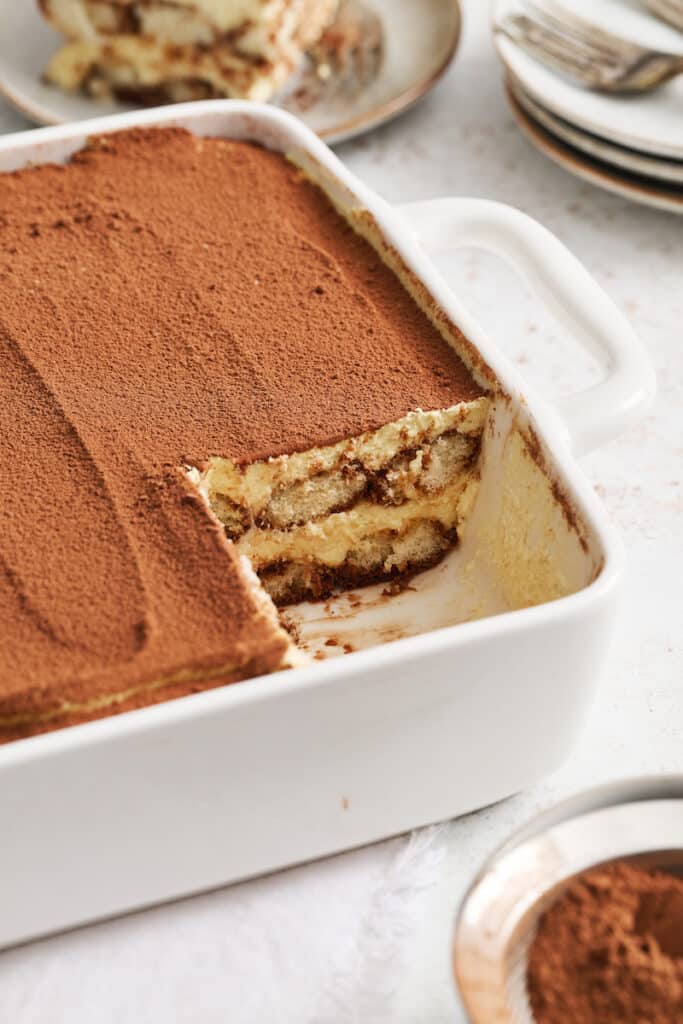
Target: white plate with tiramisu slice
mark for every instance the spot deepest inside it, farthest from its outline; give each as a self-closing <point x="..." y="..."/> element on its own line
<point x="342" y="66"/>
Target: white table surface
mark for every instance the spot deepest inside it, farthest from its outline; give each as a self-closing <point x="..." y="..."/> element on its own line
<point x="365" y="937"/>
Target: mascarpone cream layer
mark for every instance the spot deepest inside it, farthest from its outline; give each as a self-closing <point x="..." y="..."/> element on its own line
<point x="134" y="62"/>
<point x="80" y="18"/>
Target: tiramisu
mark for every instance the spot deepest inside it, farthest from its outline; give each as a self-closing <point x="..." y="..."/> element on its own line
<point x="170" y="50"/>
<point x="214" y="392"/>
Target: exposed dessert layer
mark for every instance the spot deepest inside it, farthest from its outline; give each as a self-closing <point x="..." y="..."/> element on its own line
<point x="368" y="508"/>
<point x="168" y="301"/>
<point x="153" y="49"/>
<point x="146" y="71"/>
<point x="325" y="478"/>
<point x="265" y="29"/>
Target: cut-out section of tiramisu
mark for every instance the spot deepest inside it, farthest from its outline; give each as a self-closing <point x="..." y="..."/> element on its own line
<point x="368" y="508"/>
<point x="161" y="50"/>
<point x="213" y="392"/>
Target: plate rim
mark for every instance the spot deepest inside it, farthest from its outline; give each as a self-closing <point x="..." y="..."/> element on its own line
<point x="581" y="119"/>
<point x="579" y="165"/>
<point x="556" y="125"/>
<point x="400" y="104"/>
<point x="341" y="132"/>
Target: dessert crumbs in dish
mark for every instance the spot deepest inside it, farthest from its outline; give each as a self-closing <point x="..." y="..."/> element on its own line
<point x="216" y="395"/>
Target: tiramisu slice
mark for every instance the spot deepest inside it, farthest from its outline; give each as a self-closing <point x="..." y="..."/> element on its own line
<point x="161" y="50"/>
<point x="205" y="374"/>
<point x="367" y="508"/>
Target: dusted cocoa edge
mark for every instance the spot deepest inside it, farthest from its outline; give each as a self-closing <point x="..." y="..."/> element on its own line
<point x="35" y="714"/>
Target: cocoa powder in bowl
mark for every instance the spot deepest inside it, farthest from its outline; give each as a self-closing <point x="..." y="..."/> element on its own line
<point x="610" y="950"/>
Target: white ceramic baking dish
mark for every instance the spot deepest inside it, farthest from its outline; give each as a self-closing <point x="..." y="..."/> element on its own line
<point x="485" y="699"/>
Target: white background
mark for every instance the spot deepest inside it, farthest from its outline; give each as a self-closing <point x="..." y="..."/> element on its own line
<point x="365" y="937"/>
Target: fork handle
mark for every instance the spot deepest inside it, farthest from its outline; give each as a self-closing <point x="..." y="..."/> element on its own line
<point x="670" y="11"/>
<point x="599" y="413"/>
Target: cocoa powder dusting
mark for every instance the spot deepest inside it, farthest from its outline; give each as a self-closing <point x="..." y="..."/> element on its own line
<point x="165" y="298"/>
<point x="610" y="950"/>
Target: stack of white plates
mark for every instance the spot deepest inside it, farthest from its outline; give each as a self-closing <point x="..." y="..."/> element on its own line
<point x="631" y="145"/>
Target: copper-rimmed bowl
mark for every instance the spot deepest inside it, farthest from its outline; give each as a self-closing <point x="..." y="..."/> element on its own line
<point x="640" y="820"/>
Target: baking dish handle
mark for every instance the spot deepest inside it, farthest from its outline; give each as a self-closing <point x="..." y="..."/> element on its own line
<point x="598" y="413"/>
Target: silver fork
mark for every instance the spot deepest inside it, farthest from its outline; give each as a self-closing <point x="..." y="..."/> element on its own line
<point x="668" y="10"/>
<point x="581" y="50"/>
